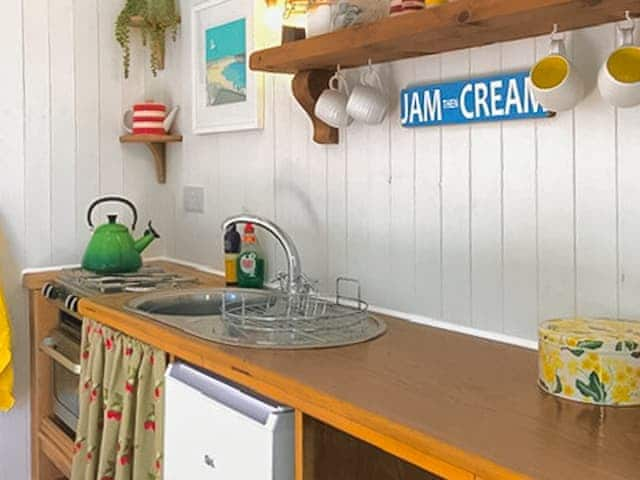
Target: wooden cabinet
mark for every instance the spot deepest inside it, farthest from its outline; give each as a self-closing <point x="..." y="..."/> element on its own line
<point x="325" y="453"/>
<point x="51" y="444"/>
<point x="419" y="403"/>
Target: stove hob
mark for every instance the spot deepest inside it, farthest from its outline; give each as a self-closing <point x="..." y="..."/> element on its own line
<point x="74" y="283"/>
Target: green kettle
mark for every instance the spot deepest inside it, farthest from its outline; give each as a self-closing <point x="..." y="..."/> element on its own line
<point x="112" y="249"/>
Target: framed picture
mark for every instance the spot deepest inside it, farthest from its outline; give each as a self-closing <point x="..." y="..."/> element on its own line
<point x="227" y="96"/>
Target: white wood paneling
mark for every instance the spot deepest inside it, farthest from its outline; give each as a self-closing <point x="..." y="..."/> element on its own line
<point x="110" y="98"/>
<point x="628" y="231"/>
<point x="402" y="197"/>
<point x="63" y="131"/>
<point x="628" y="140"/>
<point x="596" y="183"/>
<point x="428" y="203"/>
<point x="14" y="440"/>
<point x="337" y="208"/>
<point x="479" y="226"/>
<point x="519" y="210"/>
<point x="556" y="208"/>
<point x="87" y="111"/>
<point x="456" y="195"/>
<point x="37" y="131"/>
<point x="486" y="206"/>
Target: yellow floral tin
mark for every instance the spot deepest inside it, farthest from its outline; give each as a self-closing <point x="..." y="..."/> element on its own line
<point x="591" y="360"/>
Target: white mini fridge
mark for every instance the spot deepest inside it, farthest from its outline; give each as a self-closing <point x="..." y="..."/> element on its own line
<point x="217" y="431"/>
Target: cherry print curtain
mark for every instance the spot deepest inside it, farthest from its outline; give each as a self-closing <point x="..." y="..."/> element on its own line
<point x="119" y="435"/>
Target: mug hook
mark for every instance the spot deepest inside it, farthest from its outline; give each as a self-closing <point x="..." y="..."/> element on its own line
<point x="626" y="28"/>
<point x="557" y="42"/>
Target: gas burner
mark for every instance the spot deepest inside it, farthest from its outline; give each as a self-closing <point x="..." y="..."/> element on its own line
<point x="72" y="284"/>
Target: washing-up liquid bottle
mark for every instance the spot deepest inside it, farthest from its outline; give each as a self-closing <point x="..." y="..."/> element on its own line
<point x="232" y="242"/>
<point x="250" y="261"/>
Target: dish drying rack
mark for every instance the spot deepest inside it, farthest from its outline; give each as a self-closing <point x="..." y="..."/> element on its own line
<point x="301" y="319"/>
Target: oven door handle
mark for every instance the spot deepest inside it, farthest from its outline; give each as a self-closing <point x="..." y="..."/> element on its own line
<point x="48" y="346"/>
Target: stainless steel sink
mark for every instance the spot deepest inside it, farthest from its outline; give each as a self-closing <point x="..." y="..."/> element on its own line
<point x="199" y="312"/>
<point x="184" y="306"/>
<point x="196" y="304"/>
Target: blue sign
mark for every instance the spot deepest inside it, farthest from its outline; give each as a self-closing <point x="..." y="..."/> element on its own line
<point x="504" y="97"/>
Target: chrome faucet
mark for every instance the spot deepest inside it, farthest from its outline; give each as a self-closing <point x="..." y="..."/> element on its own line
<point x="295" y="281"/>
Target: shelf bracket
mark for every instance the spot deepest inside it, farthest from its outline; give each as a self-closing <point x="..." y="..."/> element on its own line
<point x="157" y="146"/>
<point x="307" y="86"/>
<point x="159" y="152"/>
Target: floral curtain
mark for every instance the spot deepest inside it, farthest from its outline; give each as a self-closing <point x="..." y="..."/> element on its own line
<point x="119" y="435"/>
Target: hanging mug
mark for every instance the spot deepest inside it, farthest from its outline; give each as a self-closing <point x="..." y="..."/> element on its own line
<point x="368" y="102"/>
<point x="619" y="77"/>
<point x="331" y="106"/>
<point x="555" y="82"/>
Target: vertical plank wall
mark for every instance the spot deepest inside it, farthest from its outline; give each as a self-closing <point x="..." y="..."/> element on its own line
<point x="14" y="426"/>
<point x="61" y="99"/>
<point x="492" y="226"/>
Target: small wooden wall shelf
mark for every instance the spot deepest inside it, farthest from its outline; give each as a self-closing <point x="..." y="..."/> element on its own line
<point x="454" y="26"/>
<point x="136" y="22"/>
<point x="157" y="145"/>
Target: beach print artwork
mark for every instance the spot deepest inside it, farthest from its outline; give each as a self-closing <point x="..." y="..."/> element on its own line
<point x="226" y="63"/>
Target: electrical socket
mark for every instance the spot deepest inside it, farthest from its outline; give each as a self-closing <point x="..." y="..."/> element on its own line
<point x="193" y="198"/>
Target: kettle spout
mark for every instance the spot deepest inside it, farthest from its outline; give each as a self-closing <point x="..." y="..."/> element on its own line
<point x="143" y="242"/>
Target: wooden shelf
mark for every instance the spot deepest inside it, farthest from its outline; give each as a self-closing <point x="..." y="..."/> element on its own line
<point x="157" y="145"/>
<point x="150" y="138"/>
<point x="461" y="24"/>
<point x="454" y="26"/>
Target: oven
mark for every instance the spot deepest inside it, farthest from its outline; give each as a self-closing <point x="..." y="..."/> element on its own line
<point x="63" y="344"/>
<point x="63" y="347"/>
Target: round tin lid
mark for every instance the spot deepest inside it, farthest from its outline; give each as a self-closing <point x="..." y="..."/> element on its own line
<point x="584" y="333"/>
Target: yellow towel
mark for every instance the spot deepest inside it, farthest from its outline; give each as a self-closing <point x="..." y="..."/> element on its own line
<point x="6" y="370"/>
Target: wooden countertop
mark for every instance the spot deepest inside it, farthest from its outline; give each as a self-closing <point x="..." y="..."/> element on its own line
<point x="454" y="404"/>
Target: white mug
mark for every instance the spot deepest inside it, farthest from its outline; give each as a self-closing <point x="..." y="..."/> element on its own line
<point x="555" y="82"/>
<point x="368" y="102"/>
<point x="331" y="106"/>
<point x="619" y="77"/>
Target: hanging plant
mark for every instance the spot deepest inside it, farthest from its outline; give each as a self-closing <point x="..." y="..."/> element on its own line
<point x="157" y="17"/>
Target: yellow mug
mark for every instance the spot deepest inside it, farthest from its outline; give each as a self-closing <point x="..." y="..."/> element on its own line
<point x="619" y="77"/>
<point x="555" y="82"/>
<point x="435" y="3"/>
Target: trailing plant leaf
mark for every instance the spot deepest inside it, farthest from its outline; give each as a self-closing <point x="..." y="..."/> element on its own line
<point x="123" y="29"/>
<point x="159" y="17"/>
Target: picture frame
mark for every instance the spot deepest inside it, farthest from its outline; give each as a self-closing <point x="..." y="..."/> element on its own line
<point x="226" y="95"/>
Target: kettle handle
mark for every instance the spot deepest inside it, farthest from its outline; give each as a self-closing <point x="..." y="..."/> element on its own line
<point x="109" y="198"/>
